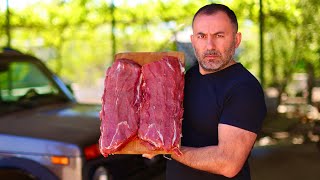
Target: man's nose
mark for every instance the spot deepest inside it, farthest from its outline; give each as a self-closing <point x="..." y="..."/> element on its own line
<point x="211" y="43"/>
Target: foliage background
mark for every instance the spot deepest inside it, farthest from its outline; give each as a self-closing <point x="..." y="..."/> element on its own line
<point x="75" y="37"/>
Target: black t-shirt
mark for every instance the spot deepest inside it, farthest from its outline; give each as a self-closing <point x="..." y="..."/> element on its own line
<point x="232" y="96"/>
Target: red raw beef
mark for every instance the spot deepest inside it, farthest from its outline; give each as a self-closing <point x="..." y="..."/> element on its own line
<point x="161" y="107"/>
<point x="120" y="102"/>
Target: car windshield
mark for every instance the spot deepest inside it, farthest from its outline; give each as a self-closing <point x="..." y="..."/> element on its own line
<point x="23" y="84"/>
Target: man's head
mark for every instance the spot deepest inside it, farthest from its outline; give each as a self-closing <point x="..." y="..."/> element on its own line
<point x="214" y="8"/>
<point x="215" y="37"/>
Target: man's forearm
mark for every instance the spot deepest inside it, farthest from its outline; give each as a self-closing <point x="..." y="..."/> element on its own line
<point x="226" y="158"/>
<point x="209" y="159"/>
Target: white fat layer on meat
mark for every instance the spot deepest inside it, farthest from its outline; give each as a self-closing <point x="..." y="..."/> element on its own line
<point x="169" y="65"/>
<point x="174" y="133"/>
<point x="181" y="67"/>
<point x="138" y="89"/>
<point x="101" y="137"/>
<point x="117" y="144"/>
<point x="117" y="101"/>
<point x="142" y="85"/>
<point x="153" y="126"/>
<point x="119" y="67"/>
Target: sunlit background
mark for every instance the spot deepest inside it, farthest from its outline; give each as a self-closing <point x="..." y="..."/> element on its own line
<point x="77" y="39"/>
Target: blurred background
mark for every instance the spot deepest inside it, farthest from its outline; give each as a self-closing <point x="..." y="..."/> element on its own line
<point x="77" y="39"/>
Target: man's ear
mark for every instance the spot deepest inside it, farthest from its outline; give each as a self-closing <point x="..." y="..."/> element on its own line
<point x="238" y="39"/>
<point x="191" y="38"/>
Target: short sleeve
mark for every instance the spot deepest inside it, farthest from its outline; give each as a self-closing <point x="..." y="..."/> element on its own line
<point x="244" y="107"/>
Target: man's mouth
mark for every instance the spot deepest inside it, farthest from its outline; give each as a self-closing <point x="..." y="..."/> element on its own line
<point x="211" y="56"/>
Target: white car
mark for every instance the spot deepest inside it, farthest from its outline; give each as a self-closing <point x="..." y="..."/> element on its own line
<point x="45" y="134"/>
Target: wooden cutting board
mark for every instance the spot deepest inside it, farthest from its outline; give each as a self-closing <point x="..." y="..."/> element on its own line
<point x="135" y="146"/>
<point x="147" y="57"/>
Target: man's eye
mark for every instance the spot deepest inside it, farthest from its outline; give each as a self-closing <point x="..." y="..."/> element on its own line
<point x="220" y="35"/>
<point x="201" y="36"/>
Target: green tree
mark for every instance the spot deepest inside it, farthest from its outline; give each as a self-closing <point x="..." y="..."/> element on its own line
<point x="75" y="37"/>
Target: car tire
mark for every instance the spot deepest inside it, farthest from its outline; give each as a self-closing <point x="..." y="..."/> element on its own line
<point x="27" y="166"/>
<point x="15" y="174"/>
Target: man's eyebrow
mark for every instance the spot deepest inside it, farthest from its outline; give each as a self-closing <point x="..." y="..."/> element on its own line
<point x="219" y="32"/>
<point x="200" y="33"/>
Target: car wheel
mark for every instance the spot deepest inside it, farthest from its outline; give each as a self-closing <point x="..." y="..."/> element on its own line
<point x="15" y="174"/>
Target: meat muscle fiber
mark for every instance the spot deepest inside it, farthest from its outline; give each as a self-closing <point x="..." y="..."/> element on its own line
<point x="161" y="107"/>
<point x="120" y="102"/>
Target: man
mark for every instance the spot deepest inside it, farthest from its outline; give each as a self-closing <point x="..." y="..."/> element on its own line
<point x="224" y="104"/>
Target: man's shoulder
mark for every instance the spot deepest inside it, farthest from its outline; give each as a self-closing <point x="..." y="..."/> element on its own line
<point x="243" y="75"/>
<point x="192" y="71"/>
<point x="193" y="68"/>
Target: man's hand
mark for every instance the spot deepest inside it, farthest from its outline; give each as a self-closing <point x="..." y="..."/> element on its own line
<point x="149" y="156"/>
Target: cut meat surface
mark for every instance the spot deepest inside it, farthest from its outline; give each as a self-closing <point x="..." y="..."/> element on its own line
<point x="120" y="102"/>
<point x="161" y="107"/>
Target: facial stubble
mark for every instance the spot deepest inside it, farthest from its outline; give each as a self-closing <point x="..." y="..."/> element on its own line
<point x="215" y="64"/>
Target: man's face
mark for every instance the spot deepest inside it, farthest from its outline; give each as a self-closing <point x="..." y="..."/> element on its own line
<point x="214" y="41"/>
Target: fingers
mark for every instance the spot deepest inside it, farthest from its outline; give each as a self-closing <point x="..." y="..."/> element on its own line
<point x="149" y="156"/>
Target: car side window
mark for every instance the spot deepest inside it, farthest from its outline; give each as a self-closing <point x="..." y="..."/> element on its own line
<point x="20" y="78"/>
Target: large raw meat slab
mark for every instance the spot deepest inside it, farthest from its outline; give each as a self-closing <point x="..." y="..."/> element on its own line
<point x="161" y="107"/>
<point x="136" y="145"/>
<point x="120" y="102"/>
